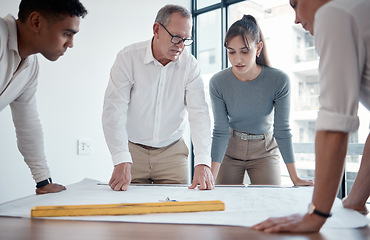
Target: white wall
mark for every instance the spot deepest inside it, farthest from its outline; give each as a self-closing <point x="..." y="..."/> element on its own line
<point x="70" y="95"/>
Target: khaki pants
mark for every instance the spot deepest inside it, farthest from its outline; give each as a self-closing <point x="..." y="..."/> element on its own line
<point x="167" y="165"/>
<point x="260" y="158"/>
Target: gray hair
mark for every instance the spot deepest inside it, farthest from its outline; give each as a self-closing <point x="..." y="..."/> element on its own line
<point x="164" y="14"/>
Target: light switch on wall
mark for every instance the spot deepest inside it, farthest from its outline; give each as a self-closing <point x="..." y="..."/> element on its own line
<point x="84" y="146"/>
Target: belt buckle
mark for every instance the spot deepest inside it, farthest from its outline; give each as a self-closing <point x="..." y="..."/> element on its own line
<point x="244" y="137"/>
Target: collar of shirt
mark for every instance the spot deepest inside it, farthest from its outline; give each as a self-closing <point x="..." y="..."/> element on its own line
<point x="13" y="42"/>
<point x="148" y="58"/>
<point x="12" y="28"/>
<point x="11" y="61"/>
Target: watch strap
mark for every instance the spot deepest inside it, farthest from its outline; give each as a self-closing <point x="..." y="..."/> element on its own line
<point x="312" y="210"/>
<point x="43" y="183"/>
<point x="321" y="214"/>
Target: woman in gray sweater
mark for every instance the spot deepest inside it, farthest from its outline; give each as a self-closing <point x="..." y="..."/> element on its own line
<point x="247" y="100"/>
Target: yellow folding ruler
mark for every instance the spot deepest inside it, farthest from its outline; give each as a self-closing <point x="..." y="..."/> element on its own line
<point x="126" y="208"/>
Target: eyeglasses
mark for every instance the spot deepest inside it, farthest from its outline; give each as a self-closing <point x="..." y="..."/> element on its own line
<point x="177" y="39"/>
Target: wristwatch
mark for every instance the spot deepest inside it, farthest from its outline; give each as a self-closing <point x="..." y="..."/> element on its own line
<point x="312" y="210"/>
<point x="43" y="183"/>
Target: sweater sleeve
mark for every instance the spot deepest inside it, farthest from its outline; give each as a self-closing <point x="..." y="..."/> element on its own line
<point x="29" y="132"/>
<point x="221" y="132"/>
<point x="282" y="132"/>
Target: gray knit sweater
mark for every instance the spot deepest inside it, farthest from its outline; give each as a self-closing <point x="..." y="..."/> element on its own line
<point x="251" y="107"/>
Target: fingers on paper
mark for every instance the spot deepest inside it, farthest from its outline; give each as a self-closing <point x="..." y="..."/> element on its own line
<point x="121" y="177"/>
<point x="204" y="180"/>
<point x="304" y="182"/>
<point x="50" y="188"/>
<point x="193" y="185"/>
<point x="280" y="224"/>
<point x="118" y="185"/>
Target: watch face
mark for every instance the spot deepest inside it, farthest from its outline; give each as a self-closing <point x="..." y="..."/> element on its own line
<point x="311" y="208"/>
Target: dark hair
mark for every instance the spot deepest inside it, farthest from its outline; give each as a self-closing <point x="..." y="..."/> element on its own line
<point x="247" y="26"/>
<point x="164" y="14"/>
<point x="51" y="9"/>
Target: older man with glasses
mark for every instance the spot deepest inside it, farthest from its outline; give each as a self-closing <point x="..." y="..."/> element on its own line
<point x="154" y="87"/>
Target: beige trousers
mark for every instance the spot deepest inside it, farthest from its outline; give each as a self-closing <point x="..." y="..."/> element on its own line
<point x="260" y="158"/>
<point x="167" y="165"/>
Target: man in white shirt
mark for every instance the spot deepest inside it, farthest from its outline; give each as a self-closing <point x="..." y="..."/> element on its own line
<point x="153" y="86"/>
<point x="45" y="27"/>
<point x="342" y="39"/>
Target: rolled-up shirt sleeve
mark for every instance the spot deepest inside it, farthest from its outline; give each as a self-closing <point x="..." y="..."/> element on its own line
<point x="339" y="46"/>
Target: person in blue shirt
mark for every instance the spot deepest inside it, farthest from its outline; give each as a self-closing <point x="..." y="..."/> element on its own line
<point x="247" y="100"/>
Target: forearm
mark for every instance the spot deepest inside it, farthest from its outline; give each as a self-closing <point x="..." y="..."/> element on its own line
<point x="286" y="150"/>
<point x="360" y="190"/>
<point x="30" y="138"/>
<point x="331" y="149"/>
<point x="292" y="172"/>
<point x="215" y="168"/>
<point x="219" y="145"/>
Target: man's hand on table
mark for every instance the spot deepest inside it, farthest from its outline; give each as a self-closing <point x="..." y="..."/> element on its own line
<point x="294" y="223"/>
<point x="203" y="177"/>
<point x="121" y="177"/>
<point x="50" y="188"/>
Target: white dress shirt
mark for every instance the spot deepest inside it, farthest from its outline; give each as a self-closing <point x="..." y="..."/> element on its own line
<point x="18" y="83"/>
<point x="148" y="103"/>
<point x="342" y="39"/>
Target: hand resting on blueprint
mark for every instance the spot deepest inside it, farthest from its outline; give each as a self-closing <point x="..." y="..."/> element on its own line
<point x="203" y="177"/>
<point x="121" y="177"/>
<point x="50" y="188"/>
<point x="292" y="223"/>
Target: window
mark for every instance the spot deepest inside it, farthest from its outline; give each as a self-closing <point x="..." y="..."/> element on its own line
<point x="205" y="3"/>
<point x="291" y="49"/>
<point x="209" y="42"/>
